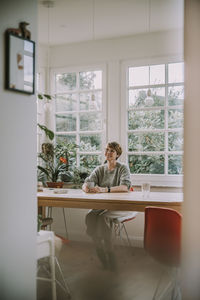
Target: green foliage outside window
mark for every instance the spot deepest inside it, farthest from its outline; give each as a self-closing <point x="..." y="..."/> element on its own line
<point x="141" y="118"/>
<point x="146" y="164"/>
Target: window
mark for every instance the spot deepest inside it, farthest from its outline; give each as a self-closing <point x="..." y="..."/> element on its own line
<point x="40" y="109"/>
<point x="155" y="126"/>
<point x="79" y="113"/>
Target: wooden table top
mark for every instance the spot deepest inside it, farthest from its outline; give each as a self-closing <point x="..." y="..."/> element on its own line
<point x="114" y="201"/>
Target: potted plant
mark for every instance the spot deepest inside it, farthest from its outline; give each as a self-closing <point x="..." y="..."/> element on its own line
<point x="52" y="167"/>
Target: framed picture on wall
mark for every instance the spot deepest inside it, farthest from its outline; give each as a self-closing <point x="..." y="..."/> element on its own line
<point x="20" y="64"/>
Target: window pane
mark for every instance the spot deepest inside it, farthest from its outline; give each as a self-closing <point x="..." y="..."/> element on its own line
<point x="146" y="119"/>
<point x="157" y="74"/>
<point x="66" y="122"/>
<point x="67" y="139"/>
<point x="90" y="142"/>
<point x="176" y="72"/>
<point x="87" y="102"/>
<point x="143" y="164"/>
<point x="90" y="80"/>
<point x="176" y="95"/>
<point x="65" y="82"/>
<point x="137" y="97"/>
<point x="28" y="69"/>
<point x="66" y="102"/>
<point x="175" y="118"/>
<point x="175" y="164"/>
<point x="90" y="161"/>
<point x="146" y="142"/>
<point x="90" y="121"/>
<point x="138" y="76"/>
<point x="175" y="141"/>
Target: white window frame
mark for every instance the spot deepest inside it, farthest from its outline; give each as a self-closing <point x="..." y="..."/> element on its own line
<point x="138" y="179"/>
<point x="77" y="133"/>
<point x="40" y="106"/>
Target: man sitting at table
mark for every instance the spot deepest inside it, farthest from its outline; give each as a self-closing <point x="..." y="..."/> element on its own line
<point x="112" y="176"/>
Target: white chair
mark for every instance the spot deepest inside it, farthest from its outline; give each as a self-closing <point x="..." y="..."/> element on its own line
<point x="46" y="248"/>
<point x="119" y="225"/>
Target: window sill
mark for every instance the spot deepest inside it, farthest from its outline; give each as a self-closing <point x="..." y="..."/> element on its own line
<point x="137" y="188"/>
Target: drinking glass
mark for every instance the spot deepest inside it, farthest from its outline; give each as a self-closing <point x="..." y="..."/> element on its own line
<point x="145" y="190"/>
<point x="90" y="184"/>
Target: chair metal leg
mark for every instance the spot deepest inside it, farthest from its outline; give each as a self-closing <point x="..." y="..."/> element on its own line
<point x="120" y="227"/>
<point x="49" y="214"/>
<point x="176" y="293"/>
<point x="65" y="223"/>
<point x="53" y="277"/>
<point x="124" y="227"/>
<point x="157" y="286"/>
<point x="65" y="287"/>
<point x="53" y="280"/>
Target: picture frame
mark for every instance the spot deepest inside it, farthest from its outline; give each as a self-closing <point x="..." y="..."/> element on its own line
<point x="20" y="64"/>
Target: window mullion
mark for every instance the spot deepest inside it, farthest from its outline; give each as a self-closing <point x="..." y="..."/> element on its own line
<point x="78" y="117"/>
<point x="166" y="119"/>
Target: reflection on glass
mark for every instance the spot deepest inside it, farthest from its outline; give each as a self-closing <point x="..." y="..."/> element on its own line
<point x="28" y="46"/>
<point x="138" y="76"/>
<point x="67" y="139"/>
<point x="90" y="161"/>
<point x="157" y="74"/>
<point x="21" y="64"/>
<point x="175" y="164"/>
<point x="175" y="118"/>
<point x="175" y="141"/>
<point x="90" y="121"/>
<point x="66" y="102"/>
<point x="146" y="142"/>
<point x="65" y="82"/>
<point x="90" y="80"/>
<point x="137" y="97"/>
<point x="86" y="99"/>
<point x="146" y="164"/>
<point x="176" y="95"/>
<point x="28" y="88"/>
<point x="28" y="68"/>
<point x="176" y="72"/>
<point x="66" y="122"/>
<point x="90" y="142"/>
<point x="151" y="119"/>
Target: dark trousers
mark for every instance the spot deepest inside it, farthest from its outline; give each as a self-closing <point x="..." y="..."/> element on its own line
<point x="100" y="230"/>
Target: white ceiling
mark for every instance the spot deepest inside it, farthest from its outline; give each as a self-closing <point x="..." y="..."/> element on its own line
<point x="72" y="21"/>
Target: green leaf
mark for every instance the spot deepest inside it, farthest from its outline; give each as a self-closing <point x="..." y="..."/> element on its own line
<point x="40" y="96"/>
<point x="47" y="96"/>
<point x="49" y="133"/>
<point x="43" y="170"/>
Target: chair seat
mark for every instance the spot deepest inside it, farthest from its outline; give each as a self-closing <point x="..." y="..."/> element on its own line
<point x="128" y="217"/>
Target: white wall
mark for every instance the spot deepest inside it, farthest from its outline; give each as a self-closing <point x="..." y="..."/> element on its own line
<point x="113" y="53"/>
<point x="191" y="224"/>
<point x="18" y="170"/>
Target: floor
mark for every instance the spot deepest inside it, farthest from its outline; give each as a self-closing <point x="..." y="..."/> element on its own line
<point x="136" y="277"/>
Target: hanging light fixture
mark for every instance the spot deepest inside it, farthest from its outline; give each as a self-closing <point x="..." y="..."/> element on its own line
<point x="92" y="103"/>
<point x="149" y="101"/>
<point x="48" y="4"/>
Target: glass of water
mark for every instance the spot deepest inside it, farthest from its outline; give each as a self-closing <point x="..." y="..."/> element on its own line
<point x="145" y="190"/>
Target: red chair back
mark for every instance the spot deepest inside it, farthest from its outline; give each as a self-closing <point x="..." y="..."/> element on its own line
<point x="162" y="234"/>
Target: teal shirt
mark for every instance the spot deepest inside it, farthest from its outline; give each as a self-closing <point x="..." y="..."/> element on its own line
<point x="102" y="177"/>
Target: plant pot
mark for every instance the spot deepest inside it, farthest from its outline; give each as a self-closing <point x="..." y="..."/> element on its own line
<point x="55" y="185"/>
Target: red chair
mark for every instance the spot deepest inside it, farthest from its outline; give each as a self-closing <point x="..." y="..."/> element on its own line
<point x="162" y="240"/>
